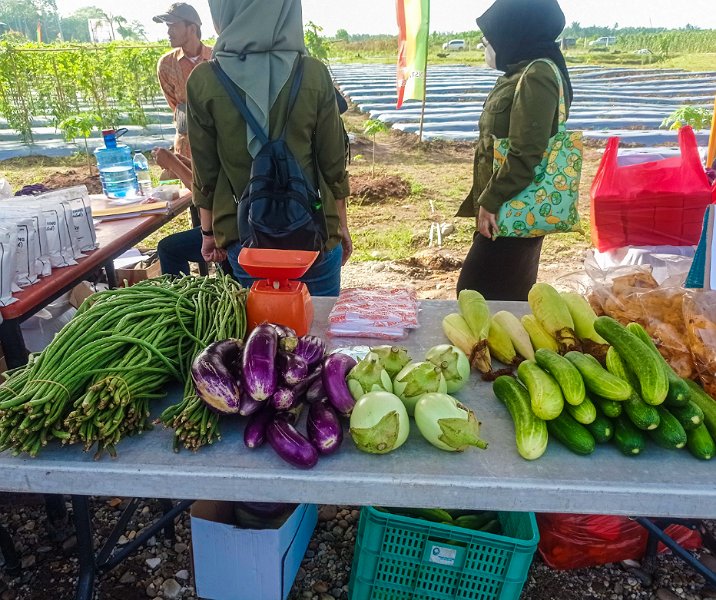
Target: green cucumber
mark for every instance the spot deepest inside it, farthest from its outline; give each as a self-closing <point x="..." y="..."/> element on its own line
<point x="585" y="413"/>
<point x="611" y="408"/>
<point x="573" y="435"/>
<point x="630" y="440"/>
<point x="435" y="515"/>
<point x="475" y="521"/>
<point x="493" y="526"/>
<point x="678" y="394"/>
<point x="602" y="429"/>
<point x="530" y="431"/>
<point x="545" y="394"/>
<point x="653" y="383"/>
<point x="690" y="416"/>
<point x="566" y="374"/>
<point x="700" y="443"/>
<point x="597" y="379"/>
<point x="706" y="403"/>
<point x="670" y="433"/>
<point x="643" y="415"/>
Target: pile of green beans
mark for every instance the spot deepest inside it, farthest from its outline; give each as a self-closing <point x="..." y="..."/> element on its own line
<point x="94" y="382"/>
<point x="220" y="314"/>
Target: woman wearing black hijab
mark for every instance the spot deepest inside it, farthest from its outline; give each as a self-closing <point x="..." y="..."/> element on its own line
<point x="515" y="33"/>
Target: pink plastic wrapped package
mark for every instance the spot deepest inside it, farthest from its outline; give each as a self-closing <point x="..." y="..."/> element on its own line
<point x="384" y="313"/>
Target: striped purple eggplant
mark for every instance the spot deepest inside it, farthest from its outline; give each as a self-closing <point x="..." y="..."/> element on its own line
<point x="214" y="373"/>
<point x="259" y="373"/>
<point x="335" y="369"/>
<point x="289" y="444"/>
<point x="324" y="427"/>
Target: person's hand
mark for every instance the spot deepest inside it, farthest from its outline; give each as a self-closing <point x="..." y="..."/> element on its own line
<point x="347" y="244"/>
<point x="487" y="224"/>
<point x="209" y="251"/>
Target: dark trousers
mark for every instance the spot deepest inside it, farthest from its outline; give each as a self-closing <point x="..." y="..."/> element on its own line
<point x="177" y="250"/>
<point x="504" y="269"/>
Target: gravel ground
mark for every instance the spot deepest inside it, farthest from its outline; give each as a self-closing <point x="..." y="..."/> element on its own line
<point x="163" y="569"/>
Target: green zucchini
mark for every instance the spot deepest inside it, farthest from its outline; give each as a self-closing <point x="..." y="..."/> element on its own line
<point x="611" y="408"/>
<point x="670" y="433"/>
<point x="602" y="429"/>
<point x="678" y="394"/>
<point x="530" y="431"/>
<point x="630" y="440"/>
<point x="598" y="380"/>
<point x="653" y="382"/>
<point x="573" y="435"/>
<point x="690" y="416"/>
<point x="643" y="415"/>
<point x="493" y="526"/>
<point x="585" y="413"/>
<point x="706" y="403"/>
<point x="700" y="443"/>
<point x="566" y="374"/>
<point x="545" y="394"/>
<point x="435" y="515"/>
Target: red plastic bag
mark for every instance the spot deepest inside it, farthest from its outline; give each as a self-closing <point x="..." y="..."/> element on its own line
<point x="580" y="541"/>
<point x="653" y="203"/>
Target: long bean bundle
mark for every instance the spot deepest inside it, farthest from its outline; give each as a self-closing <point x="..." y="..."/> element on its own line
<point x="220" y="314"/>
<point x="94" y="381"/>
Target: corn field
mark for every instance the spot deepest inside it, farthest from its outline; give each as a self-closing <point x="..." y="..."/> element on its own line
<point x="113" y="81"/>
<point x="671" y="42"/>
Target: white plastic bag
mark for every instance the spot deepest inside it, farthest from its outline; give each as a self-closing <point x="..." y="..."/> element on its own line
<point x="5" y="188"/>
<point x="26" y="257"/>
<point x="8" y="250"/>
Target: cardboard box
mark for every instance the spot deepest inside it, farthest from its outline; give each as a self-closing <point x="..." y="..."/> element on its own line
<point x="83" y="290"/>
<point x="139" y="273"/>
<point x="247" y="564"/>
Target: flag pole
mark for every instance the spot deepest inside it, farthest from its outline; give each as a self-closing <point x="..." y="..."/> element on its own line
<point x="711" y="154"/>
<point x="425" y="77"/>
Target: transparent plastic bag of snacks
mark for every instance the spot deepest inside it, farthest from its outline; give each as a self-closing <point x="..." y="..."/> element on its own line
<point x="700" y="316"/>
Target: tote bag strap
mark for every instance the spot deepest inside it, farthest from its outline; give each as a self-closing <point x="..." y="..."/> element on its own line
<point x="562" y="122"/>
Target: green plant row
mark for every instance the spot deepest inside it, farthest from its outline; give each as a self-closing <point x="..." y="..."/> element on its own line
<point x="109" y="80"/>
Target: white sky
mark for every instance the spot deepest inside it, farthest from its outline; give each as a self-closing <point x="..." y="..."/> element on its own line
<point x="378" y="16"/>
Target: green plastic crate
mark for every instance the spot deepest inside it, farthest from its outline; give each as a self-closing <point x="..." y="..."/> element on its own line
<point x="402" y="558"/>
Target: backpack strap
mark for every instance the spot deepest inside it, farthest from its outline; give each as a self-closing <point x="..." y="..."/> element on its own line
<point x="239" y="102"/>
<point x="295" y="86"/>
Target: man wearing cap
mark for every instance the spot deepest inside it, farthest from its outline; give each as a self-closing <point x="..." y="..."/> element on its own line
<point x="173" y="69"/>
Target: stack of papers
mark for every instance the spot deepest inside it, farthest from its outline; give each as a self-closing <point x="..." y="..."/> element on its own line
<point x="703" y="269"/>
<point x="106" y="209"/>
<point x="383" y="313"/>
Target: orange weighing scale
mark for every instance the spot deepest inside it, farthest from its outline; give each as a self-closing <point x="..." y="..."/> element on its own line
<point x="276" y="297"/>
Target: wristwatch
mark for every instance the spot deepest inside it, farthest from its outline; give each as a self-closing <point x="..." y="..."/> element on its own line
<point x="207" y="233"/>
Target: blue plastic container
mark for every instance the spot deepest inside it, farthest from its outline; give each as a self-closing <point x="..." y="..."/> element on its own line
<point x="116" y="168"/>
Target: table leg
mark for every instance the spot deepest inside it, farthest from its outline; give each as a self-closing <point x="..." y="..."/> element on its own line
<point x="7" y="548"/>
<point x="85" y="548"/>
<point x="111" y="274"/>
<point x="657" y="534"/>
<point x="13" y="343"/>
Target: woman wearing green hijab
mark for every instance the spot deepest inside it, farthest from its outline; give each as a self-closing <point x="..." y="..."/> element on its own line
<point x="259" y="45"/>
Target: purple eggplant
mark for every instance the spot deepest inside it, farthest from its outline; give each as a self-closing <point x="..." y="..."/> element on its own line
<point x="335" y="368"/>
<point x="324" y="427"/>
<point x="312" y="349"/>
<point x="283" y="331"/>
<point x="289" y="444"/>
<point x="291" y="367"/>
<point x="248" y="406"/>
<point x="286" y="397"/>
<point x="259" y="373"/>
<point x="315" y="391"/>
<point x="255" y="431"/>
<point x="215" y="376"/>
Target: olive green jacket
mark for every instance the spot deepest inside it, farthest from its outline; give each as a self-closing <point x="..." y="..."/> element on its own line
<point x="528" y="120"/>
<point x="221" y="160"/>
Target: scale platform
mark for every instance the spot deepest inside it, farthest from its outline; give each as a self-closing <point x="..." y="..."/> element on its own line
<point x="276" y="297"/>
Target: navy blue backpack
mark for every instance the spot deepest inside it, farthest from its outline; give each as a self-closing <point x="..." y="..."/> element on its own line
<point x="279" y="208"/>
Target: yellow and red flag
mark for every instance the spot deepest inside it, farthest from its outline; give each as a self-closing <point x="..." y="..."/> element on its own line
<point x="413" y="32"/>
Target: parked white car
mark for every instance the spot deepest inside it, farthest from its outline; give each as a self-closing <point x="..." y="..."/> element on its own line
<point x="455" y="45"/>
<point x="604" y="41"/>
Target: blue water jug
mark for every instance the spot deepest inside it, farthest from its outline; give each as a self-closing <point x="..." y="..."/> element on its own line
<point x="116" y="169"/>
